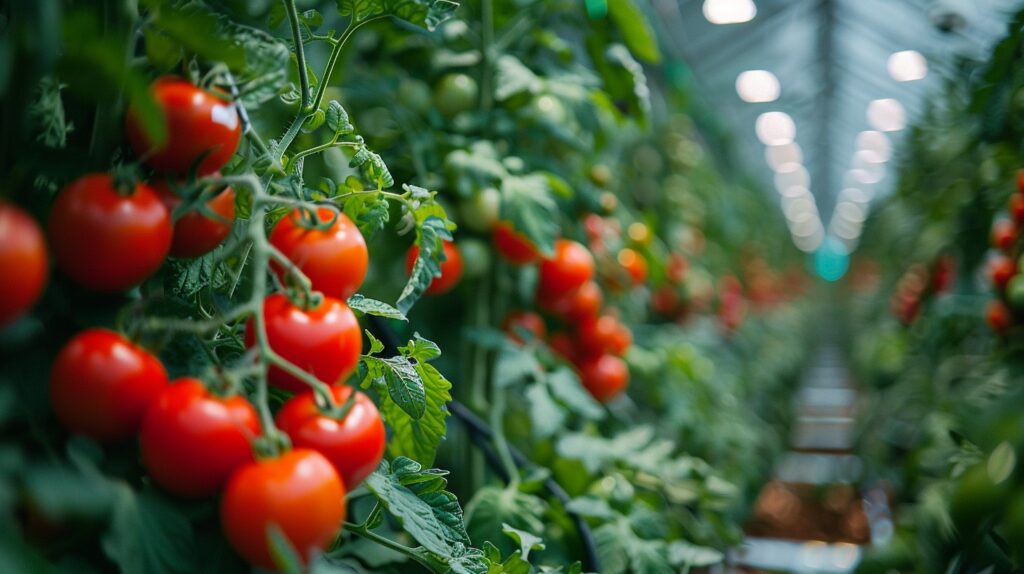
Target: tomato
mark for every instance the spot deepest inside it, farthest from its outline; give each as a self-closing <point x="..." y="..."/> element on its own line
<point x="451" y="268"/>
<point x="513" y="246"/>
<point x="604" y="334"/>
<point x="665" y="300"/>
<point x="196" y="233"/>
<point x="568" y="269"/>
<point x="1004" y="234"/>
<point x="354" y="444"/>
<point x="998" y="316"/>
<point x="1020" y="180"/>
<point x="22" y="262"/>
<point x="604" y="376"/>
<point x="335" y="259"/>
<point x="454" y="94"/>
<point x="299" y="492"/>
<point x="1016" y="208"/>
<point x="325" y="341"/>
<point x="199" y="126"/>
<point x="580" y="305"/>
<point x="480" y="211"/>
<point x="1000" y="270"/>
<point x="476" y="257"/>
<point x="192" y="440"/>
<point x="594" y="226"/>
<point x="563" y="345"/>
<point x="1015" y="291"/>
<point x="943" y="273"/>
<point x="676" y="268"/>
<point x="105" y="240"/>
<point x="101" y="385"/>
<point x="518" y="322"/>
<point x="634" y="263"/>
<point x="600" y="175"/>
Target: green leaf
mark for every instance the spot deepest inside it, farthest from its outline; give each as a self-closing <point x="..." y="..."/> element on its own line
<point x="429" y="236"/>
<point x="492" y="509"/>
<point x="402" y="382"/>
<point x="527" y="542"/>
<point x="372" y="168"/>
<point x="611" y="542"/>
<point x="282" y="551"/>
<point x="47" y="114"/>
<point x="526" y="202"/>
<point x="374" y="307"/>
<point x="636" y="30"/>
<point x="683" y="553"/>
<point x="186" y="277"/>
<point x="516" y="364"/>
<point x="512" y="77"/>
<point x="426" y="13"/>
<point x="369" y="211"/>
<point x="546" y="416"/>
<point x="337" y="119"/>
<point x="148" y="536"/>
<point x="565" y="386"/>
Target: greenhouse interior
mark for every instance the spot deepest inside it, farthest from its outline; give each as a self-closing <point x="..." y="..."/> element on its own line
<point x="511" y="286"/>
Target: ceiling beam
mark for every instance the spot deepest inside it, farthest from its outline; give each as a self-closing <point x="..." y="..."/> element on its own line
<point x="822" y="178"/>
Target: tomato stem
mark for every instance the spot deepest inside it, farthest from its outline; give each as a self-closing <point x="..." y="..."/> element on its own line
<point x="300" y="53"/>
<point x="429" y="562"/>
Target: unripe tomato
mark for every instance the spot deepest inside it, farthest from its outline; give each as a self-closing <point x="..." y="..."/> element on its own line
<point x="1016" y="208"/>
<point x="451" y="268"/>
<point x="600" y="175"/>
<point x="22" y="262"/>
<point x="354" y="444"/>
<point x="604" y="376"/>
<point x="101" y="385"/>
<point x="480" y="211"/>
<point x="196" y="233"/>
<point x="199" y="125"/>
<point x="105" y="240"/>
<point x="325" y="341"/>
<point x="335" y="259"/>
<point x="1015" y="291"/>
<point x="519" y="321"/>
<point x="604" y="334"/>
<point x="1004" y="234"/>
<point x="192" y="440"/>
<point x="513" y="246"/>
<point x="1000" y="269"/>
<point x="569" y="268"/>
<point x="454" y="94"/>
<point x="579" y="305"/>
<point x="476" y="257"/>
<point x="634" y="263"/>
<point x="998" y="316"/>
<point x="299" y="492"/>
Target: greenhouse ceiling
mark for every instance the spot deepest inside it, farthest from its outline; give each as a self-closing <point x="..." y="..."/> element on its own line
<point x="838" y="68"/>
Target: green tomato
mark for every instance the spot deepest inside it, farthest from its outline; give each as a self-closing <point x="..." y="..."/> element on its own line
<point x="476" y="257"/>
<point x="454" y="94"/>
<point x="480" y="211"/>
<point x="1015" y="291"/>
<point x="548" y="110"/>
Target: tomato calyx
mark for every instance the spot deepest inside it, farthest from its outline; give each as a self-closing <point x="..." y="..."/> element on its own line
<point x="125" y="179"/>
<point x="310" y="220"/>
<point x="326" y="405"/>
<point x="271" y="444"/>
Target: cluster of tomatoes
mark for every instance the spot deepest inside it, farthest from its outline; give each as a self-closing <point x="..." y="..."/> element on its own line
<point x="1004" y="266"/>
<point x="195" y="440"/>
<point x="918" y="283"/>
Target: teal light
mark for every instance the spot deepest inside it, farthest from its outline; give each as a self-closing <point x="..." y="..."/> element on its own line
<point x="831" y="260"/>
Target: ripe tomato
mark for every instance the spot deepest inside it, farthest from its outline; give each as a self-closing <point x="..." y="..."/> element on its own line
<point x="22" y="262"/>
<point x="325" y="340"/>
<point x="604" y="334"/>
<point x="513" y="246"/>
<point x="1016" y="208"/>
<point x="101" y="385"/>
<point x="353" y="444"/>
<point x="454" y="94"/>
<point x="634" y="263"/>
<point x="579" y="305"/>
<point x="299" y="492"/>
<point x="563" y="345"/>
<point x="1000" y="269"/>
<point x="604" y="376"/>
<point x="199" y="125"/>
<point x="451" y="268"/>
<point x="105" y="240"/>
<point x="568" y="269"/>
<point x="1004" y="234"/>
<point x="196" y="233"/>
<point x="334" y="259"/>
<point x="665" y="300"/>
<point x="943" y="273"/>
<point x="519" y="321"/>
<point x="192" y="440"/>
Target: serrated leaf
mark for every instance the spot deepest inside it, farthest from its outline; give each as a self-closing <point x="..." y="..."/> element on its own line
<point x="372" y="168"/>
<point x="337" y="119"/>
<point x="148" y="535"/>
<point x="426" y="13"/>
<point x="526" y="203"/>
<point x="369" y="211"/>
<point x="493" y="508"/>
<point x="374" y="307"/>
<point x="429" y="236"/>
<point x="402" y="382"/>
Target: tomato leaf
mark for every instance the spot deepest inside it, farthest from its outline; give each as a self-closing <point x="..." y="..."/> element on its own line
<point x="426" y="13"/>
<point x="546" y="416"/>
<point x="399" y="378"/>
<point x="374" y="307"/>
<point x="148" y="535"/>
<point x="338" y="121"/>
<point x="636" y="30"/>
<point x="493" y="509"/>
<point x="565" y="386"/>
<point x="429" y="236"/>
<point x="527" y="203"/>
<point x="527" y="541"/>
<point x="682" y="553"/>
<point x="512" y="77"/>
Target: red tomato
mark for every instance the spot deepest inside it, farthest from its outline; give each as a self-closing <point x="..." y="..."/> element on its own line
<point x="563" y="345"/>
<point x="1000" y="270"/>
<point x="582" y="304"/>
<point x="299" y="492"/>
<point x="107" y="240"/>
<point x="325" y="341"/>
<point x="676" y="268"/>
<point x="101" y="385"/>
<point x="604" y="334"/>
<point x="605" y="376"/>
<point x="22" y="262"/>
<point x="199" y="125"/>
<point x="451" y="268"/>
<point x="196" y="233"/>
<point x="569" y="268"/>
<point x="1020" y="181"/>
<point x="634" y="263"/>
<point x="192" y="440"/>
<point x="1016" y="208"/>
<point x="519" y="321"/>
<point x="353" y="444"/>
<point x="513" y="246"/>
<point x="1004" y="234"/>
<point x="943" y="273"/>
<point x="999" y="317"/>
<point x="665" y="300"/>
<point x="334" y="259"/>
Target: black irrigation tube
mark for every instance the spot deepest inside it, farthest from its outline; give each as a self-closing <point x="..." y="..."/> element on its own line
<point x="481" y="434"/>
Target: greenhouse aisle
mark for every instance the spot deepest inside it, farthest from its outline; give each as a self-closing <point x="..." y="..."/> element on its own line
<point x="811" y="517"/>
